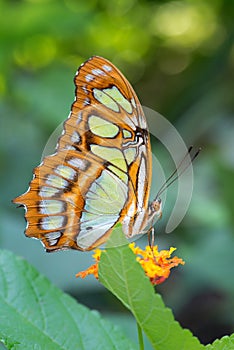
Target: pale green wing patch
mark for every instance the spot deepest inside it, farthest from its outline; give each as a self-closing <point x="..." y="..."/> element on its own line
<point x="104" y="202"/>
<point x="119" y="98"/>
<point x="106" y="100"/>
<point x="112" y="98"/>
<point x="102" y="127"/>
<point x="112" y="155"/>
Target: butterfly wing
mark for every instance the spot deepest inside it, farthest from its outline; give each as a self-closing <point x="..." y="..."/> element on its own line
<point x="101" y="171"/>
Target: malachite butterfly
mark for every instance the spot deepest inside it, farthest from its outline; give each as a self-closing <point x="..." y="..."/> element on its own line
<point x="100" y="173"/>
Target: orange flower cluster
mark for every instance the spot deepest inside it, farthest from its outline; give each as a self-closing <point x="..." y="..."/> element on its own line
<point x="93" y="269"/>
<point x="156" y="264"/>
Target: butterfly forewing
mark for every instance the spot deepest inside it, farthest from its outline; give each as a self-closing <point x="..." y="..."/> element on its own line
<point x="101" y="171"/>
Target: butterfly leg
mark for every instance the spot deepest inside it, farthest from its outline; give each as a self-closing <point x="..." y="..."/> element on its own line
<point x="150" y="234"/>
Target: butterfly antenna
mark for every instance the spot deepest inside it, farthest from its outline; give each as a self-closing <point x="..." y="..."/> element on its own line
<point x="174" y="172"/>
<point x="170" y="180"/>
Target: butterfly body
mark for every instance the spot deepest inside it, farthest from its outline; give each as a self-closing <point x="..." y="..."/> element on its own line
<point x="100" y="173"/>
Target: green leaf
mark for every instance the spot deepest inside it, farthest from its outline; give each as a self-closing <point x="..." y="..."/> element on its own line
<point x="37" y="315"/>
<point x="123" y="276"/>
<point x="225" y="343"/>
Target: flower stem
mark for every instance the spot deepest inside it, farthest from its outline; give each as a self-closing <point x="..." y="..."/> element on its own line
<point x="140" y="337"/>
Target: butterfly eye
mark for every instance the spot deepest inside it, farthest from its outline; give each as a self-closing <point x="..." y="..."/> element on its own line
<point x="156" y="207"/>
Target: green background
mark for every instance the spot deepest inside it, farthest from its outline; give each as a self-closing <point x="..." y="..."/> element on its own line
<point x="179" y="57"/>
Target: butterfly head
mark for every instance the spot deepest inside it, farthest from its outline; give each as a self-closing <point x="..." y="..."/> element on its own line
<point x="155" y="208"/>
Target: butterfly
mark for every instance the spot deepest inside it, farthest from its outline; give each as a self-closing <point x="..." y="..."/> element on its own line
<point x="100" y="173"/>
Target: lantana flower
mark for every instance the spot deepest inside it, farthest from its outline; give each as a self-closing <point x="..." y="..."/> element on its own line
<point x="156" y="264"/>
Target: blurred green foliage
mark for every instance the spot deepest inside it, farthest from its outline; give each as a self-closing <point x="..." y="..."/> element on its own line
<point x="179" y="56"/>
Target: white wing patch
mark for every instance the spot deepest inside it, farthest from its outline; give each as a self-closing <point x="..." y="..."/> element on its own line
<point x="98" y="71"/>
<point x="66" y="172"/>
<point x="51" y="206"/>
<point x="52" y="222"/>
<point x="56" y="181"/>
<point x="89" y="77"/>
<point x="78" y="163"/>
<point x="47" y="192"/>
<point x="141" y="184"/>
<point x="53" y="237"/>
<point x="107" y="68"/>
